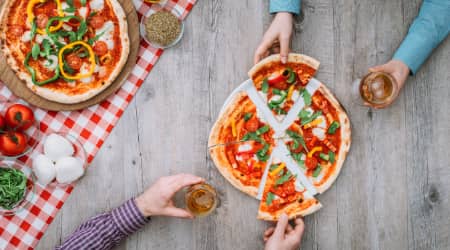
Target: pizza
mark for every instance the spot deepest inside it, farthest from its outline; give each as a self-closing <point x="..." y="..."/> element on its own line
<point x="283" y="193"/>
<point x="66" y="51"/>
<point x="280" y="85"/>
<point x="241" y="143"/>
<point x="319" y="139"/>
<point x="283" y="164"/>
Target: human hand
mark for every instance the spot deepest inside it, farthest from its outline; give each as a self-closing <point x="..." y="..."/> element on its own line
<point x="396" y="69"/>
<point x="157" y="199"/>
<point x="280" y="31"/>
<point x="283" y="236"/>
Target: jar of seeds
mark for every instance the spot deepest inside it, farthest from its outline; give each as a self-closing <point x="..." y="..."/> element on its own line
<point x="162" y="29"/>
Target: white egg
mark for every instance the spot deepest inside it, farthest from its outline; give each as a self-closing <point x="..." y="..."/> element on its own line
<point x="56" y="147"/>
<point x="44" y="169"/>
<point x="68" y="169"/>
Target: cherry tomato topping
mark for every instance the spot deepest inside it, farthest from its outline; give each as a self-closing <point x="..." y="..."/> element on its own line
<point x="74" y="61"/>
<point x="41" y="21"/>
<point x="100" y="48"/>
<point x="252" y="124"/>
<point x="97" y="21"/>
<point x="311" y="162"/>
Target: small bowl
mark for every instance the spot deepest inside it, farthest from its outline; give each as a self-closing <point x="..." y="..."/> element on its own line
<point x="33" y="133"/>
<point x="144" y="32"/>
<point x="29" y="191"/>
<point x="79" y="153"/>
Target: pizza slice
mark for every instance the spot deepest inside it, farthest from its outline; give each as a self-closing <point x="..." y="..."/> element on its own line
<point x="280" y="85"/>
<point x="319" y="139"/>
<point x="241" y="144"/>
<point x="283" y="193"/>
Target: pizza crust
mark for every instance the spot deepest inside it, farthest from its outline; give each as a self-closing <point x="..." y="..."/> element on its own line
<point x="276" y="58"/>
<point x="218" y="154"/>
<point x="293" y="213"/>
<point x="58" y="96"/>
<point x="345" y="128"/>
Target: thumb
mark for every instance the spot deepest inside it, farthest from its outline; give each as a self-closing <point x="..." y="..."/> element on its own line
<point x="281" y="225"/>
<point x="178" y="212"/>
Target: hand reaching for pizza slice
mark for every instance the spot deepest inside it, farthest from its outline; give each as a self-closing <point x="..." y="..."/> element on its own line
<point x="284" y="236"/>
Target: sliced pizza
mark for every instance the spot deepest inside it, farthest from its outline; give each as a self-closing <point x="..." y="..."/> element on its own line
<point x="65" y="51"/>
<point x="283" y="193"/>
<point x="241" y="143"/>
<point x="280" y="85"/>
<point x="319" y="139"/>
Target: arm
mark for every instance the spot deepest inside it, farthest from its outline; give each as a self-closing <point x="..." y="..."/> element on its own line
<point x="430" y="27"/>
<point x="292" y="6"/>
<point x="280" y="31"/>
<point x="106" y="230"/>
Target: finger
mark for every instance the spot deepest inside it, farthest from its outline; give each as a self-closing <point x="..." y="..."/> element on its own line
<point x="269" y="231"/>
<point x="284" y="48"/>
<point x="299" y="227"/>
<point x="289" y="228"/>
<point x="178" y="212"/>
<point x="180" y="181"/>
<point x="378" y="68"/>
<point x="262" y="49"/>
<point x="281" y="225"/>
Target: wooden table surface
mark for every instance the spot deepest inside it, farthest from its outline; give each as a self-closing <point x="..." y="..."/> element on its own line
<point x="394" y="189"/>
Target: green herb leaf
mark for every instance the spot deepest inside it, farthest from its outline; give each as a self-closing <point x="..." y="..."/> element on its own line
<point x="12" y="187"/>
<point x="276" y="91"/>
<point x="35" y="51"/>
<point x="306" y="97"/>
<point x="247" y="116"/>
<point x="296" y="137"/>
<point x="332" y="129"/>
<point x="262" y="130"/>
<point x="311" y="118"/>
<point x="262" y="153"/>
<point x="332" y="156"/>
<point x="33" y="29"/>
<point x="284" y="178"/>
<point x="304" y="114"/>
<point x="83" y="2"/>
<point x="82" y="29"/>
<point x="273" y="167"/>
<point x="317" y="171"/>
<point x="270" y="198"/>
<point x="265" y="86"/>
<point x="324" y="157"/>
<point x="292" y="76"/>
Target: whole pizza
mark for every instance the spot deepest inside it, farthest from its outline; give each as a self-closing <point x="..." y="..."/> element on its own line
<point x="66" y="51"/>
<point x="286" y="160"/>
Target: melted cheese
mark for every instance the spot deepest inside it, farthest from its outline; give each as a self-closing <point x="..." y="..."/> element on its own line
<point x="319" y="133"/>
<point x="97" y="5"/>
<point x="85" y="70"/>
<point x="244" y="147"/>
<point x="323" y="123"/>
<point x="51" y="63"/>
<point x="83" y="12"/>
<point x="67" y="27"/>
<point x="106" y="34"/>
<point x="64" y="7"/>
<point x="26" y="37"/>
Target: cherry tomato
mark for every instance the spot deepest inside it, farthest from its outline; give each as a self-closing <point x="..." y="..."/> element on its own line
<point x="41" y="21"/>
<point x="19" y="117"/>
<point x="100" y="48"/>
<point x="74" y="61"/>
<point x="16" y="30"/>
<point x="97" y="21"/>
<point x="252" y="124"/>
<point x="13" y="143"/>
<point x="2" y="122"/>
<point x="311" y="162"/>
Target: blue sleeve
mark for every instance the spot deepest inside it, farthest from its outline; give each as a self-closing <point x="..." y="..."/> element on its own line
<point x="292" y="6"/>
<point x="430" y="27"/>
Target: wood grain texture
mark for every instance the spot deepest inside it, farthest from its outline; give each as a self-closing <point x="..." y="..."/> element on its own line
<point x="19" y="88"/>
<point x="394" y="190"/>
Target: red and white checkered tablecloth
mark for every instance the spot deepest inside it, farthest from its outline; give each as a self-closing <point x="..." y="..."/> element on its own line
<point x="91" y="126"/>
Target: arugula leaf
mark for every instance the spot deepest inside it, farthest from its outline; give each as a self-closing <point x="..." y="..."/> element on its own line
<point x="251" y="136"/>
<point x="284" y="178"/>
<point x="273" y="167"/>
<point x="71" y="7"/>
<point x="262" y="130"/>
<point x="247" y="116"/>
<point x="324" y="157"/>
<point x="317" y="171"/>
<point x="332" y="156"/>
<point x="83" y="2"/>
<point x="296" y="137"/>
<point x="91" y="41"/>
<point x="68" y="69"/>
<point x="304" y="114"/>
<point x="270" y="198"/>
<point x="33" y="28"/>
<point x="35" y="51"/>
<point x="93" y="13"/>
<point x="306" y="97"/>
<point x="262" y="153"/>
<point x="311" y="118"/>
<point x="265" y="86"/>
<point x="82" y="29"/>
<point x="332" y="129"/>
<point x="12" y="187"/>
<point x="47" y="47"/>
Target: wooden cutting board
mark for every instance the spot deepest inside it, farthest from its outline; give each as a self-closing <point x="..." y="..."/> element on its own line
<point x="20" y="89"/>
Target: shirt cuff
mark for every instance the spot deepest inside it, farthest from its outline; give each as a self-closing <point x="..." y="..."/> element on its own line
<point x="292" y="6"/>
<point x="128" y="218"/>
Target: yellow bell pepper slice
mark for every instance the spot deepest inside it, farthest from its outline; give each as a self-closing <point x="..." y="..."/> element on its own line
<point x="313" y="123"/>
<point x="315" y="149"/>
<point x="233" y="127"/>
<point x="290" y="91"/>
<point x="31" y="16"/>
<point x="91" y="60"/>
<point x="278" y="169"/>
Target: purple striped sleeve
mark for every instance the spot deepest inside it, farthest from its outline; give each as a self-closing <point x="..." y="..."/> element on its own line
<point x="106" y="230"/>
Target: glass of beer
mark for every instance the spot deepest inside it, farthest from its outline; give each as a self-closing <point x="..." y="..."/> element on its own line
<point x="376" y="89"/>
<point x="201" y="199"/>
